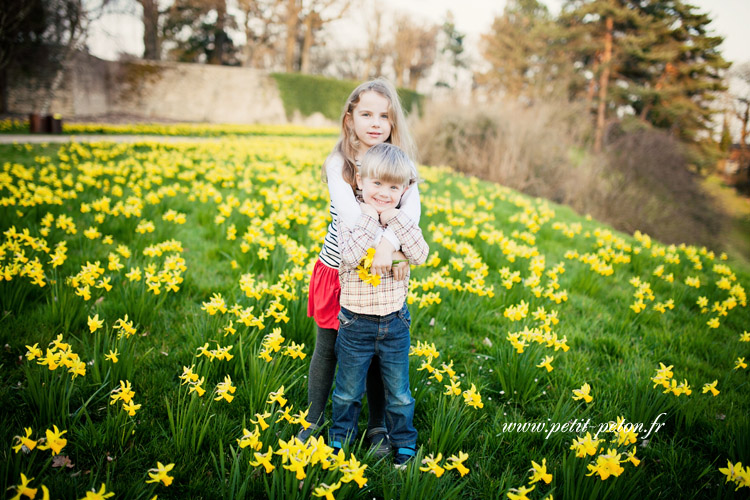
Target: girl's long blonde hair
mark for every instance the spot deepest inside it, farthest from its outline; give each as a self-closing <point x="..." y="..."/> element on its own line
<point x="348" y="143"/>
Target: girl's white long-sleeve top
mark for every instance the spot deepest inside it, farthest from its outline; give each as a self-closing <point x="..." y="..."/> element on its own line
<point x="345" y="210"/>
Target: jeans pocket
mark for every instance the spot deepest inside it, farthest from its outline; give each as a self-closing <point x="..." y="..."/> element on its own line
<point x="346" y="321"/>
<point x="405" y="317"/>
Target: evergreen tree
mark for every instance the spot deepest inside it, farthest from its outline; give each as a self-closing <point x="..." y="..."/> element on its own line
<point x="653" y="59"/>
<point x="198" y="32"/>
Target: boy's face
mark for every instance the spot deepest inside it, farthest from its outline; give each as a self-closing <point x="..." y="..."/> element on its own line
<point x="380" y="194"/>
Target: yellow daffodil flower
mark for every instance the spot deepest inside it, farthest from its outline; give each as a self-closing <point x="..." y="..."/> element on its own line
<point x="520" y="493"/>
<point x="583" y="393"/>
<point x="546" y="363"/>
<point x="711" y="387"/>
<point x="54" y="440"/>
<point x="160" y="473"/>
<point x="539" y="472"/>
<point x="432" y="464"/>
<point x="325" y="490"/>
<point x="94" y="323"/>
<point x="24" y="441"/>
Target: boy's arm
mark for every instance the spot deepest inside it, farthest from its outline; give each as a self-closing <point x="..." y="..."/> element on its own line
<point x="412" y="207"/>
<point x="353" y="243"/>
<point x="413" y="244"/>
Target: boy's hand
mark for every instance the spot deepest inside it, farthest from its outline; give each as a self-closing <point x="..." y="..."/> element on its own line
<point x="383" y="259"/>
<point x="387" y="215"/>
<point x="399" y="270"/>
<point x="369" y="210"/>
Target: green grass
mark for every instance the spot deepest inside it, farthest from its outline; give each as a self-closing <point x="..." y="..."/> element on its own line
<point x="270" y="191"/>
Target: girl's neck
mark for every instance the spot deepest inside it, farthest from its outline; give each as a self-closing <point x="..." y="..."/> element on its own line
<point x="360" y="153"/>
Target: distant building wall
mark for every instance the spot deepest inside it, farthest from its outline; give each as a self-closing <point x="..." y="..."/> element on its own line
<point x="159" y="90"/>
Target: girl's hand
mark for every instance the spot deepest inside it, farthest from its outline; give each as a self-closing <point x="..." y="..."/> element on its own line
<point x="369" y="210"/>
<point x="383" y="259"/>
<point x="399" y="270"/>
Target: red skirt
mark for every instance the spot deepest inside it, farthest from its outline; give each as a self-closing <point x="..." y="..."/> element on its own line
<point x="323" y="299"/>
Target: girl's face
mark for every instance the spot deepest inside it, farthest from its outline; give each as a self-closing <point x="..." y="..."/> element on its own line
<point x="369" y="119"/>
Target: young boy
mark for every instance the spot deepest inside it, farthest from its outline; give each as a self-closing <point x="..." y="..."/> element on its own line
<point x="374" y="320"/>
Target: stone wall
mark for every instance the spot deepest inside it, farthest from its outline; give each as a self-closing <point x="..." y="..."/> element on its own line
<point x="151" y="90"/>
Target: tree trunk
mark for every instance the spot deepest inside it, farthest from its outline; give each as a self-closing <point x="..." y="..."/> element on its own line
<point x="745" y="120"/>
<point x="220" y="34"/>
<point x="591" y="90"/>
<point x="311" y="25"/>
<point x="151" y="45"/>
<point x="49" y="94"/>
<point x="4" y="90"/>
<point x="292" y="25"/>
<point x="603" y="83"/>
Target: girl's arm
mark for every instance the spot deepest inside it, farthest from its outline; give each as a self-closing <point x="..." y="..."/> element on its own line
<point x="342" y="196"/>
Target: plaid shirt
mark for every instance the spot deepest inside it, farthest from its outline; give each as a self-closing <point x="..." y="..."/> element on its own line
<point x="389" y="296"/>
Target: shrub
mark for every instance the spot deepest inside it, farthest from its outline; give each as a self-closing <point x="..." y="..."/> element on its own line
<point x="649" y="187"/>
<point x="527" y="148"/>
<point x="641" y="180"/>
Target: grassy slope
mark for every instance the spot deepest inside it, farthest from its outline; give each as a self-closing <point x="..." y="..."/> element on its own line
<point x="738" y="209"/>
<point x="611" y="348"/>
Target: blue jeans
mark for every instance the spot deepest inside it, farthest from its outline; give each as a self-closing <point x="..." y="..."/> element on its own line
<point x="361" y="337"/>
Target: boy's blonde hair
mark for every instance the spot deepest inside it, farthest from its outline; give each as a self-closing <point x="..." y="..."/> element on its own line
<point x="348" y="143"/>
<point x="388" y="163"/>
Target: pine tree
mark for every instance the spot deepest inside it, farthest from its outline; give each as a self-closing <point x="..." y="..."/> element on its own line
<point x="653" y="59"/>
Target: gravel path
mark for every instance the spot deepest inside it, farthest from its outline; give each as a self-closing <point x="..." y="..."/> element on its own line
<point x="59" y="138"/>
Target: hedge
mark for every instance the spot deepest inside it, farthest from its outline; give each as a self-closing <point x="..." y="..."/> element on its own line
<point x="310" y="94"/>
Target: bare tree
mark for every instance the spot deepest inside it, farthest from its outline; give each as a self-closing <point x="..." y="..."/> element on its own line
<point x="304" y="19"/>
<point x="375" y="50"/>
<point x="339" y="62"/>
<point x="261" y="27"/>
<point x="414" y="49"/>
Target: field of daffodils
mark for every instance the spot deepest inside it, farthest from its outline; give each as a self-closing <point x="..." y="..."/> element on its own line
<point x="156" y="344"/>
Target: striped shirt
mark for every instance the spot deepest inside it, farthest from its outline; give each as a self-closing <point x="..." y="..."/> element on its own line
<point x="330" y="254"/>
<point x="390" y="295"/>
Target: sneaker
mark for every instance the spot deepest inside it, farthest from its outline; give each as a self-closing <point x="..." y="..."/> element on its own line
<point x="403" y="457"/>
<point x="380" y="446"/>
<point x="336" y="446"/>
<point x="304" y="434"/>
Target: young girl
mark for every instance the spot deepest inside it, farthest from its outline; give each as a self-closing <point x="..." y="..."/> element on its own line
<point x="372" y="115"/>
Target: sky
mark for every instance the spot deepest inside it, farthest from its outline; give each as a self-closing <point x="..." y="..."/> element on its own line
<point x="115" y="34"/>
